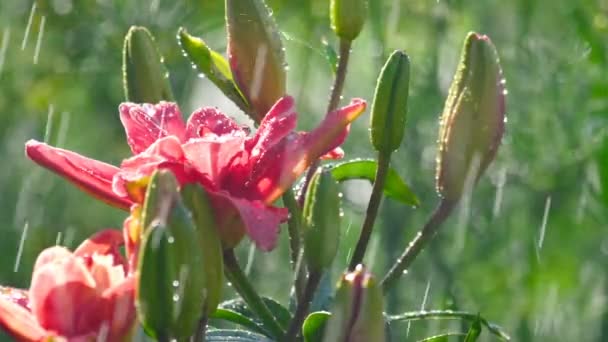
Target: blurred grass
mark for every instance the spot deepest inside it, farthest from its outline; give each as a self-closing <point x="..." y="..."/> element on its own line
<point x="487" y="258"/>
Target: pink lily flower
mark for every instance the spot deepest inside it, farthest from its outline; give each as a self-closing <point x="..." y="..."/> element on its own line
<point x="86" y="295"/>
<point x="244" y="174"/>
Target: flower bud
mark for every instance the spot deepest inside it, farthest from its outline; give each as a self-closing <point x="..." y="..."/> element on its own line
<point x="213" y="66"/>
<point x="171" y="290"/>
<point x="145" y="77"/>
<point x="472" y="123"/>
<point x="389" y="109"/>
<point x="197" y="201"/>
<point x="347" y="17"/>
<point x="321" y="218"/>
<point x="357" y="310"/>
<point x="255" y="53"/>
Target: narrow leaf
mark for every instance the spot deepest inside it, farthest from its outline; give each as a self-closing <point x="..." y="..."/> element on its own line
<point x="394" y="187"/>
<point x="280" y="312"/>
<point x="237" y="318"/>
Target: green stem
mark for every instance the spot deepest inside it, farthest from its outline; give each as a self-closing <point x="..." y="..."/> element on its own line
<point x="334" y="100"/>
<point x="295" y="237"/>
<point x="302" y="310"/>
<point x="202" y="329"/>
<point x="372" y="210"/>
<point x="420" y="241"/>
<point x="448" y="314"/>
<point x="241" y="284"/>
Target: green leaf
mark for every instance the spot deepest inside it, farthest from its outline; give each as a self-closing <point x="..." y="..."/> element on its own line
<point x="237" y="318"/>
<point x="474" y="331"/>
<point x="313" y="326"/>
<point x="442" y="337"/>
<point x="280" y="312"/>
<point x="213" y="65"/>
<point x="225" y="335"/>
<point x="394" y="187"/>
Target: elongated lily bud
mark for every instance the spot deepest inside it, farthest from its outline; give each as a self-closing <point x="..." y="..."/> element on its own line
<point x="197" y="201"/>
<point x="357" y="313"/>
<point x="390" y="103"/>
<point x="347" y="17"/>
<point x="255" y="53"/>
<point x="472" y="123"/>
<point x="321" y="217"/>
<point x="145" y="77"/>
<point x="171" y="288"/>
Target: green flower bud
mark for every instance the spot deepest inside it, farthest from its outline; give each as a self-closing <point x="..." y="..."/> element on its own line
<point x="347" y="17"/>
<point x="255" y="53"/>
<point x="357" y="310"/>
<point x="171" y="287"/>
<point x="389" y="109"/>
<point x="472" y="123"/>
<point x="321" y="218"/>
<point x="145" y="77"/>
<point x="197" y="201"/>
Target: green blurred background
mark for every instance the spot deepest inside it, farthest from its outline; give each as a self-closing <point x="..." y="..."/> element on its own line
<point x="490" y="258"/>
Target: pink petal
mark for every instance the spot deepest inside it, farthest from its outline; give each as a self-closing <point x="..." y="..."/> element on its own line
<point x="121" y="310"/>
<point x="14" y="295"/>
<point x="64" y="299"/>
<point x="277" y="124"/>
<point x="51" y="255"/>
<point x="210" y="120"/>
<point x="278" y="167"/>
<point x="214" y="157"/>
<point x="260" y="222"/>
<point x="165" y="153"/>
<point x="20" y="323"/>
<point x="146" y="123"/>
<point x="105" y="242"/>
<point x="92" y="176"/>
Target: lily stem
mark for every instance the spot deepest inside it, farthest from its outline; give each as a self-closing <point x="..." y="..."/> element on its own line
<point x="241" y="284"/>
<point x="295" y="238"/>
<point x="422" y="238"/>
<point x="448" y="314"/>
<point x="202" y="328"/>
<point x="334" y="101"/>
<point x="372" y="210"/>
<point x="302" y="309"/>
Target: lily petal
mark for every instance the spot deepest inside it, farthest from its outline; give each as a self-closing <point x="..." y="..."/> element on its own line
<point x="280" y="166"/>
<point x="280" y="120"/>
<point x="105" y="242"/>
<point x="92" y="176"/>
<point x="64" y="299"/>
<point x="210" y="120"/>
<point x="146" y="123"/>
<point x="14" y="295"/>
<point x="260" y="222"/>
<point x="19" y="322"/>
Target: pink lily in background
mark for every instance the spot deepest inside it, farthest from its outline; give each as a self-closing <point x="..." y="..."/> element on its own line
<point x="244" y="174"/>
<point x="85" y="295"/>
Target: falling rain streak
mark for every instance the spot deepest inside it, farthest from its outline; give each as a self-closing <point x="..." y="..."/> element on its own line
<point x="6" y="35"/>
<point x="543" y="226"/>
<point x="20" y="250"/>
<point x="39" y="40"/>
<point x="28" y="27"/>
